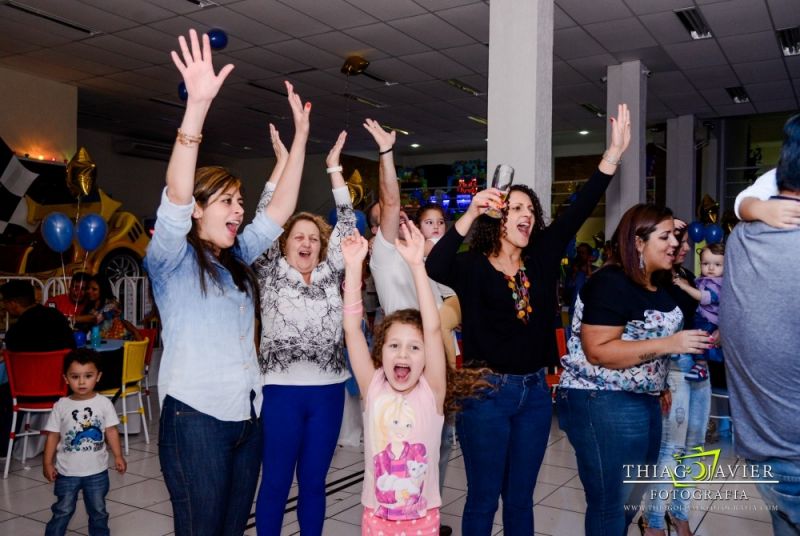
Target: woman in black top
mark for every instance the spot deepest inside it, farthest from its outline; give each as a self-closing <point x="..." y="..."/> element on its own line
<point x="507" y="284"/>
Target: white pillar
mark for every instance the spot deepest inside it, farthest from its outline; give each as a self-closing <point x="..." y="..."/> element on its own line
<point x="521" y="92"/>
<point x="627" y="83"/>
<point x="681" y="167"/>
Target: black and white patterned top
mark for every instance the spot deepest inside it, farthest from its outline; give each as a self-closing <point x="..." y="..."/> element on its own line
<point x="302" y="341"/>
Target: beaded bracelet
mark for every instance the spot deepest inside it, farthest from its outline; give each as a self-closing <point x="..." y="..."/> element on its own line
<point x="334" y="169"/>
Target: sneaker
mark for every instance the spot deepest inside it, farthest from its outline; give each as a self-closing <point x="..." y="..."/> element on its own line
<point x="698" y="373"/>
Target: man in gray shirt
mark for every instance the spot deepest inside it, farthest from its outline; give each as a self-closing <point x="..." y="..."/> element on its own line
<point x="760" y="330"/>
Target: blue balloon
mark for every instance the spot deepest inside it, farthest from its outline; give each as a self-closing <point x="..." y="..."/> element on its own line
<point x="182" y="93"/>
<point x="696" y="231"/>
<point x="361" y="220"/>
<point x="714" y="233"/>
<point x="57" y="231"/>
<point x="92" y="230"/>
<point x="218" y="39"/>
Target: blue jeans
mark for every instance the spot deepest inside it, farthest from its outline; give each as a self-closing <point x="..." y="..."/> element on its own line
<point x="301" y="426"/>
<point x="609" y="431"/>
<point x="683" y="429"/>
<point x="210" y="468"/>
<point x="503" y="436"/>
<point x="784" y="497"/>
<point x="95" y="488"/>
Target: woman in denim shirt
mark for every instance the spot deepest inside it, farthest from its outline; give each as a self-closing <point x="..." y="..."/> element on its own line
<point x="624" y="329"/>
<point x="209" y="382"/>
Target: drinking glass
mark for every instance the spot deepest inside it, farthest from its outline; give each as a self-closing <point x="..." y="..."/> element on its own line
<point x="502" y="180"/>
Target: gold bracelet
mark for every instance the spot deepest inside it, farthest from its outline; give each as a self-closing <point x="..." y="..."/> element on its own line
<point x="187" y="140"/>
<point x="610" y="161"/>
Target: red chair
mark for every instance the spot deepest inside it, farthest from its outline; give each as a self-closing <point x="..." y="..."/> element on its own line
<point x="150" y="334"/>
<point x="37" y="382"/>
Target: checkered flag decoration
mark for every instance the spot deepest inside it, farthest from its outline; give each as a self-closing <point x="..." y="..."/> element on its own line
<point x="14" y="183"/>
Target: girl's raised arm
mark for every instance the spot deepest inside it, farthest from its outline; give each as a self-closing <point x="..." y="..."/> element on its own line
<point x="202" y="85"/>
<point x="412" y="251"/>
<point x="354" y="251"/>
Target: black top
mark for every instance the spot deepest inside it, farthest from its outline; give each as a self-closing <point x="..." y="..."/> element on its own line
<point x="40" y="329"/>
<point x="492" y="334"/>
<point x="687" y="304"/>
<point x="610" y="298"/>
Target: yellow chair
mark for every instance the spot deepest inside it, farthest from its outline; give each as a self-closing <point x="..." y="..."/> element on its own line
<point x="133" y="358"/>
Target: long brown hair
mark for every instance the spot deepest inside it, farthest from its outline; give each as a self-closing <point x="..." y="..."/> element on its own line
<point x="461" y="383"/>
<point x="639" y="221"/>
<point x="208" y="181"/>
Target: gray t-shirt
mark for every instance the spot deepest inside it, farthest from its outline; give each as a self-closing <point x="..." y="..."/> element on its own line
<point x="760" y="330"/>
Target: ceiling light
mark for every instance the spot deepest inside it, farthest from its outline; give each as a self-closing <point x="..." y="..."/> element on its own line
<point x="594" y="110"/>
<point x="458" y="84"/>
<point x="583" y="132"/>
<point x="395" y="129"/>
<point x="738" y="94"/>
<point x="693" y="21"/>
<point x="414" y="145"/>
<point x="481" y="120"/>
<point x="789" y="39"/>
<point x="36" y="12"/>
<point x="364" y="100"/>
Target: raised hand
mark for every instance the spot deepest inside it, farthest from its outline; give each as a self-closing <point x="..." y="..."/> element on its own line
<point x="620" y="131"/>
<point x="412" y="249"/>
<point x="300" y="112"/>
<point x="196" y="68"/>
<point x="384" y="139"/>
<point x="354" y="249"/>
<point x="490" y="197"/>
<point x="332" y="160"/>
<point x="281" y="153"/>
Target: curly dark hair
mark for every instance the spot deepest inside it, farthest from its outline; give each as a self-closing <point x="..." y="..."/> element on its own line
<point x="488" y="231"/>
<point x="461" y="383"/>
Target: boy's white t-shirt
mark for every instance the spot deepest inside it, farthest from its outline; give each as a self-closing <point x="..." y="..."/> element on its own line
<point x="763" y="188"/>
<point x="81" y="448"/>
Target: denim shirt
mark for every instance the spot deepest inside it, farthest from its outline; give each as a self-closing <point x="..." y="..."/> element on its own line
<point x="209" y="359"/>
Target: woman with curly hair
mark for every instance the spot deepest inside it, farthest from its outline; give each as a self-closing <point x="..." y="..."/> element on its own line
<point x="506" y="284"/>
<point x="302" y="353"/>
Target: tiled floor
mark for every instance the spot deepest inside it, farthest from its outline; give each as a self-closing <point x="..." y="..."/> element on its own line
<point x="139" y="504"/>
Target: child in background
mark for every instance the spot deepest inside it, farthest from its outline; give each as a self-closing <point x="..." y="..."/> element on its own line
<point x="712" y="264"/>
<point x="403" y="384"/>
<point x="78" y="428"/>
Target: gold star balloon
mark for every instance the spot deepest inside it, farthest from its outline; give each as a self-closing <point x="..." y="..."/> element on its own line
<point x="355" y="184"/>
<point x="81" y="172"/>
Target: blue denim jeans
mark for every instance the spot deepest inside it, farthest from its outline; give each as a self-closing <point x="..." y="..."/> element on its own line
<point x="609" y="431"/>
<point x="784" y="497"/>
<point x="683" y="429"/>
<point x="503" y="436"/>
<point x="210" y="468"/>
<point x="95" y="488"/>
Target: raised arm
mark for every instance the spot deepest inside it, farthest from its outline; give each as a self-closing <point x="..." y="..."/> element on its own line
<point x="202" y="85"/>
<point x="354" y="250"/>
<point x="412" y="250"/>
<point x="388" y="189"/>
<point x="345" y="216"/>
<point x="284" y="200"/>
<point x="332" y="161"/>
<point x="281" y="157"/>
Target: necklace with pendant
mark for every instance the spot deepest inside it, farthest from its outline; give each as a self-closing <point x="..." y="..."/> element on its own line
<point x="519" y="285"/>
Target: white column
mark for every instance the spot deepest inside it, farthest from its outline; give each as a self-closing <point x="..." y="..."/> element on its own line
<point x="681" y="167"/>
<point x="627" y="83"/>
<point x="521" y="92"/>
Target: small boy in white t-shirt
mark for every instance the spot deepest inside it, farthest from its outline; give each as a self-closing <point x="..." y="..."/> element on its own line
<point x="78" y="428"/>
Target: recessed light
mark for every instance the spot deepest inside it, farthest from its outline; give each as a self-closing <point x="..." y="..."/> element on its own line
<point x="414" y="145"/>
<point x="583" y="132"/>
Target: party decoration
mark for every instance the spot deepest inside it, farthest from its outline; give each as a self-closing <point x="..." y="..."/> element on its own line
<point x="92" y="230"/>
<point x="81" y="173"/>
<point x="355" y="185"/>
<point x="218" y="39"/>
<point x="708" y="210"/>
<point x="713" y="233"/>
<point x="182" y="92"/>
<point x="57" y="231"/>
<point x="697" y="231"/>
